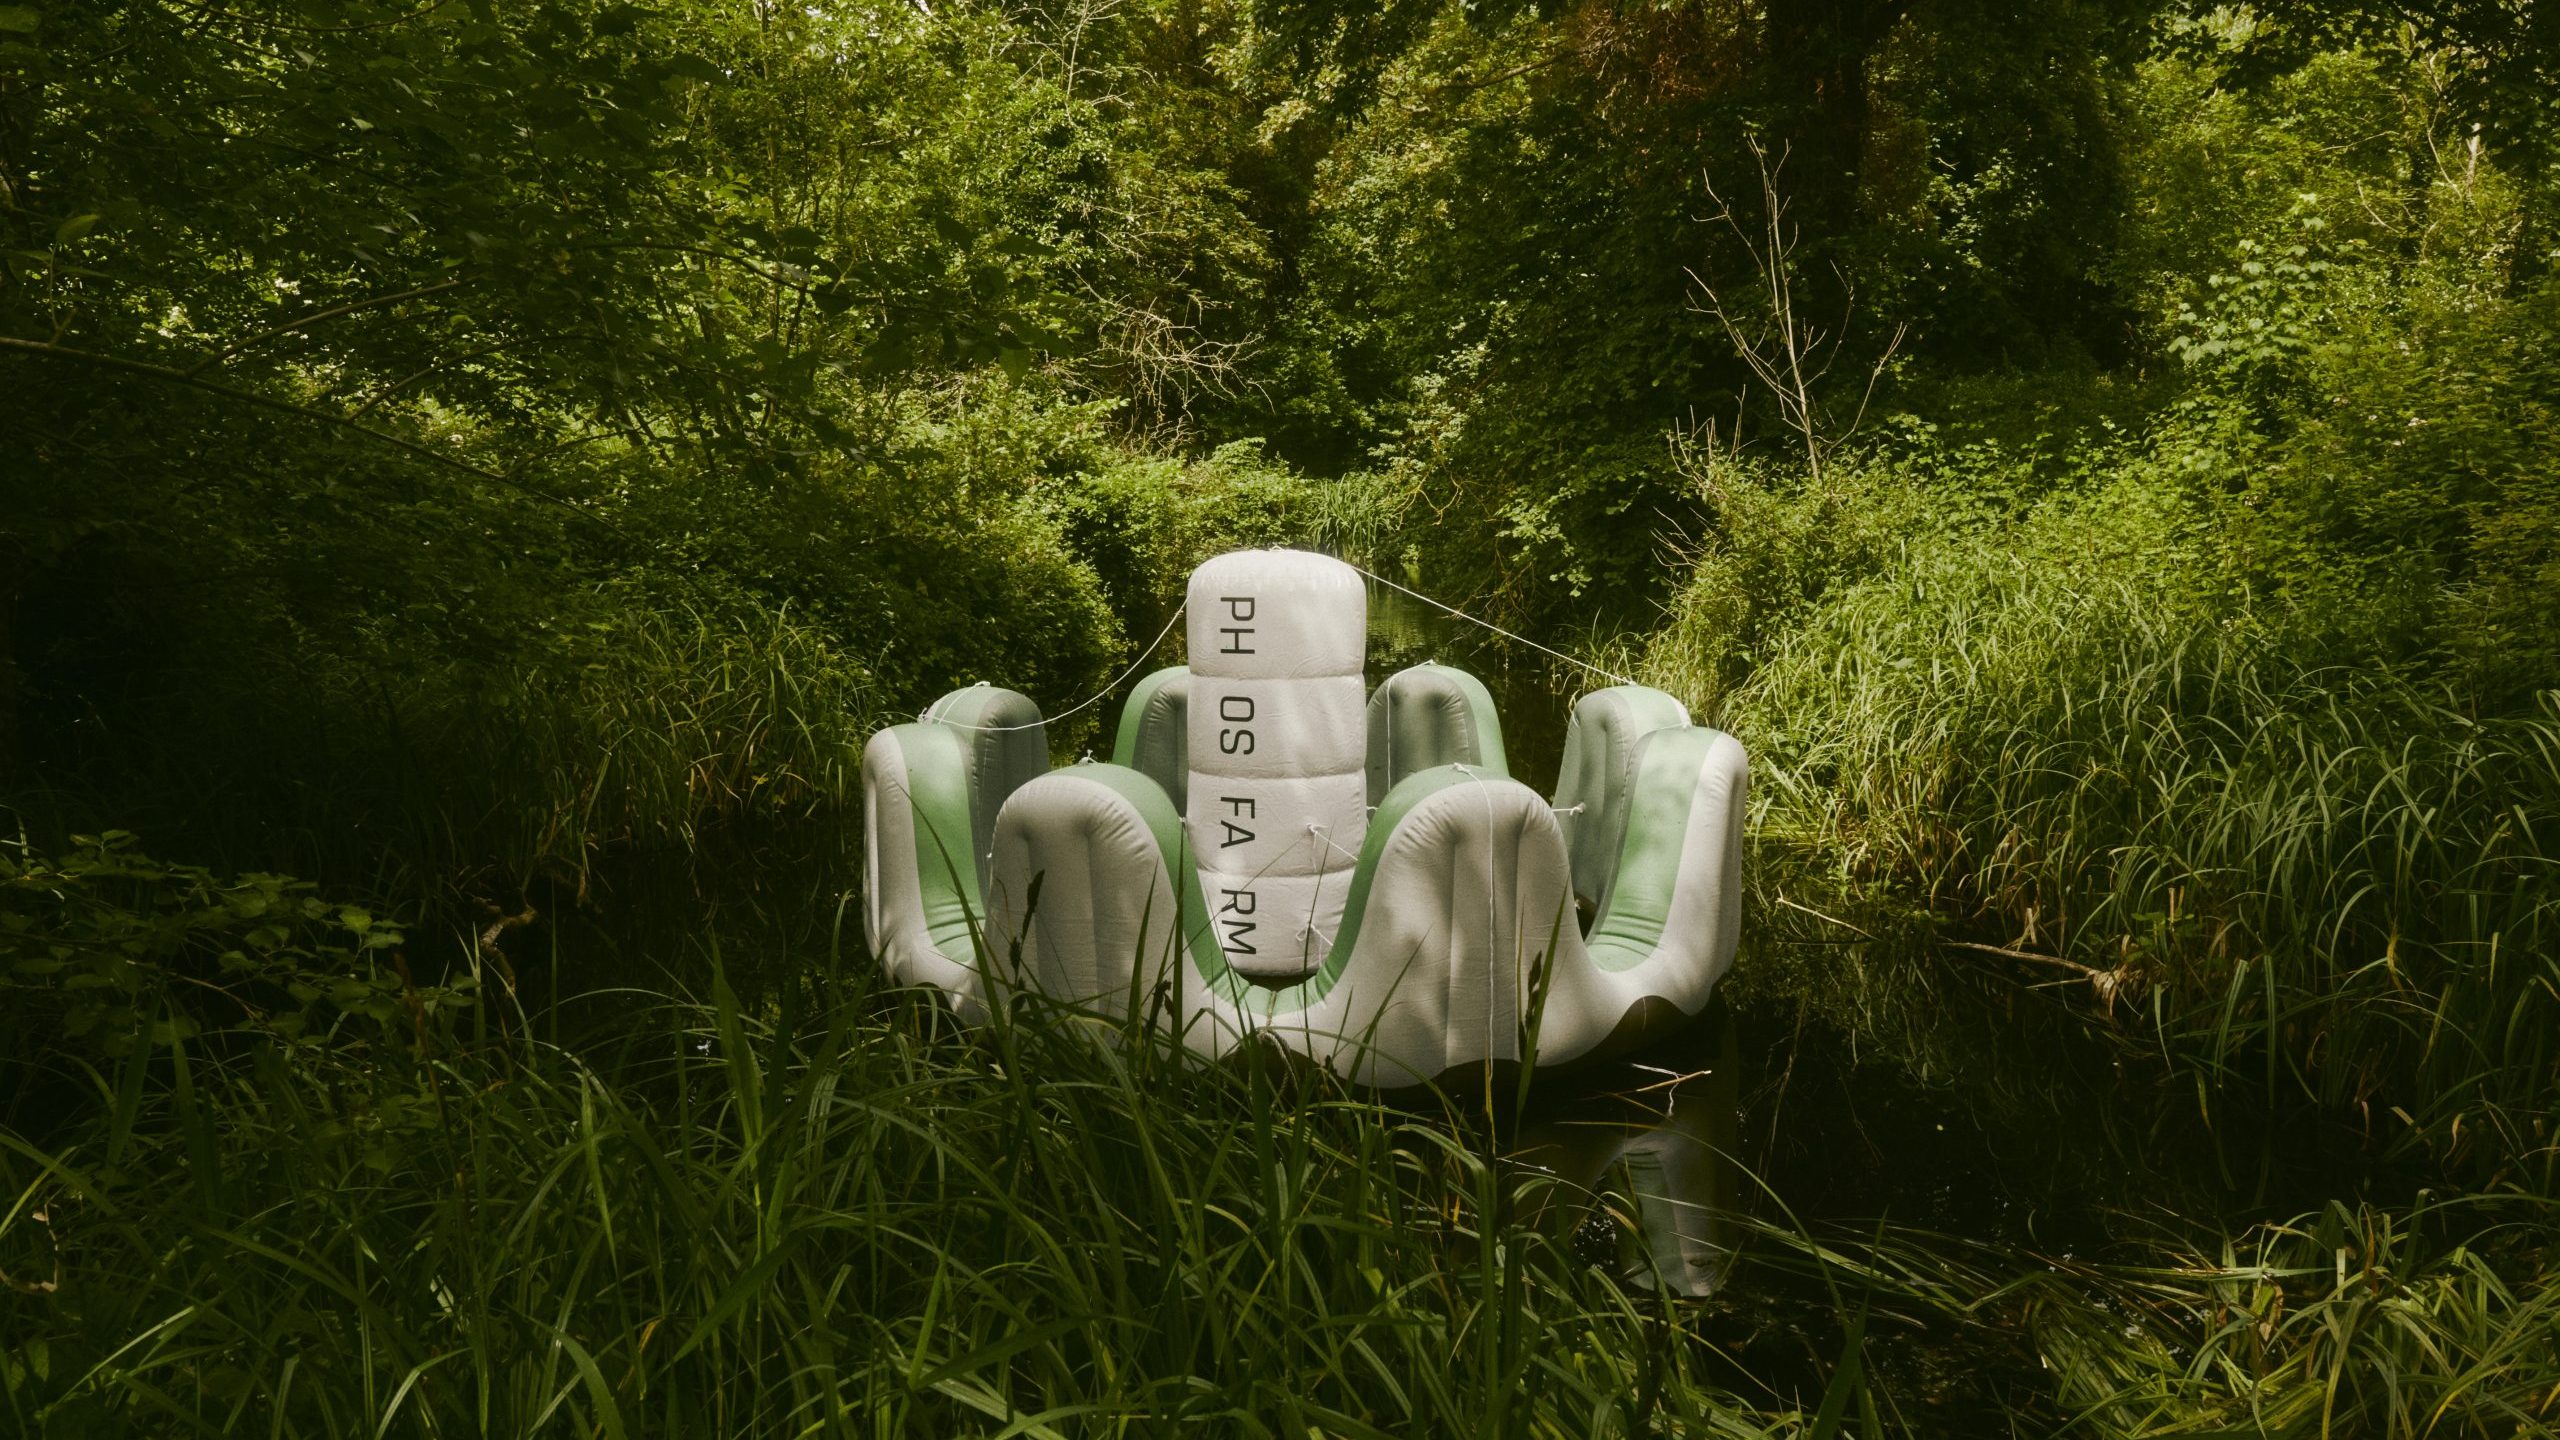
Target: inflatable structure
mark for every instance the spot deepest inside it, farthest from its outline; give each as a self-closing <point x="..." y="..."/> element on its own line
<point x="1277" y="851"/>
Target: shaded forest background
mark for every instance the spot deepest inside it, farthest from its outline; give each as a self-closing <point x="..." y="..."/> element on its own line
<point x="497" y="462"/>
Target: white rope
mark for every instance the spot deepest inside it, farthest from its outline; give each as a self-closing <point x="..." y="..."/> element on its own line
<point x="1321" y="833"/>
<point x="1309" y="929"/>
<point x="1315" y="902"/>
<point x="1085" y="704"/>
<point x="1307" y="926"/>
<point x="1496" y="629"/>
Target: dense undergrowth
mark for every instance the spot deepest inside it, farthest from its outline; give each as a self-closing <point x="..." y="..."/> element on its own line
<point x="290" y="1190"/>
<point x="367" y="1205"/>
<point x="499" y="465"/>
<point x="2244" y="849"/>
<point x="2250" y="860"/>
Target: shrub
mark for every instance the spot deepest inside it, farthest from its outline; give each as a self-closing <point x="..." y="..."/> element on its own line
<point x="2258" y="851"/>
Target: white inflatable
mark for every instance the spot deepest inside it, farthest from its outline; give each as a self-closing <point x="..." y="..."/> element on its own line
<point x="1274" y="853"/>
<point x="1278" y="746"/>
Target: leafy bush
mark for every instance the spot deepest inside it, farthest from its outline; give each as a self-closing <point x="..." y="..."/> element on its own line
<point x="111" y="961"/>
<point x="1144" y="521"/>
<point x="2419" y="475"/>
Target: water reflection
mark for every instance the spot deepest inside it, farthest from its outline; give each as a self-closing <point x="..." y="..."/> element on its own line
<point x="1645" y="1147"/>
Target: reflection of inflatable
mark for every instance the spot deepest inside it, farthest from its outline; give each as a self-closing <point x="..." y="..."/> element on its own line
<point x="1273" y="851"/>
<point x="1646" y="1156"/>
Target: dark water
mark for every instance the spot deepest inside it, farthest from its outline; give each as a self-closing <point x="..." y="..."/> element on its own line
<point x="1654" y="1139"/>
<point x="1758" y="1106"/>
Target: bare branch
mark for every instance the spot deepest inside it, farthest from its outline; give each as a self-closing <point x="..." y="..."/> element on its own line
<point x="1786" y="353"/>
<point x="234" y="348"/>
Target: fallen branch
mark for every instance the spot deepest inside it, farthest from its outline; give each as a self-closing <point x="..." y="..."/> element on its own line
<point x="2089" y="970"/>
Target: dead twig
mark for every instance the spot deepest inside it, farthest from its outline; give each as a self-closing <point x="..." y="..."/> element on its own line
<point x="1788" y="354"/>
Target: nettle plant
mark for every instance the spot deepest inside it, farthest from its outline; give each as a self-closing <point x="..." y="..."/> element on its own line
<point x="111" y="960"/>
<point x="2252" y="325"/>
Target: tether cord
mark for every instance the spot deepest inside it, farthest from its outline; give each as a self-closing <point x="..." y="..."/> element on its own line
<point x="1088" y="702"/>
<point x="1152" y="646"/>
<point x="1496" y="629"/>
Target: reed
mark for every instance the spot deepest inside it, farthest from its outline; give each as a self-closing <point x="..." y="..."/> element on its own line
<point x="442" y="777"/>
<point x="2440" y="1318"/>
<point x="2330" y="878"/>
<point x="656" y="729"/>
<point x="827" y="1211"/>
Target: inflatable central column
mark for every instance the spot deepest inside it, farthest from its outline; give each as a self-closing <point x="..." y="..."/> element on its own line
<point x="1279" y="751"/>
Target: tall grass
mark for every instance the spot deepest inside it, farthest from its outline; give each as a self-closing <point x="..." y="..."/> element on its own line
<point x="654" y="728"/>
<point x="824" y="1208"/>
<point x="2440" y="1319"/>
<point x="437" y="773"/>
<point x="829" y="1212"/>
<point x="2327" y="874"/>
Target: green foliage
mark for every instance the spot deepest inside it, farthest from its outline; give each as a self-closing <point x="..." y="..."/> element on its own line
<point x="1508" y="225"/>
<point x="2234" y="718"/>
<point x="503" y="461"/>
<point x="830" y="1214"/>
<point x="2419" y="470"/>
<point x="1143" y="522"/>
<point x="2253" y="857"/>
<point x="637" y="729"/>
<point x="360" y="425"/>
<point x="101" y="940"/>
<point x="133" y="987"/>
<point x="2354" y="1320"/>
<point x="830" y="1211"/>
<point x="1772" y="550"/>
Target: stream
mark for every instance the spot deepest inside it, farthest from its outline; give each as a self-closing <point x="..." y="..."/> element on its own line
<point x="1852" y="1087"/>
<point x="1957" y="1111"/>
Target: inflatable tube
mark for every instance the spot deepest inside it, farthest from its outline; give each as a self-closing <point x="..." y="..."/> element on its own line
<point x="1449" y="937"/>
<point x="1155" y="732"/>
<point x="1599" y="770"/>
<point x="1277" y="796"/>
<point x="1004" y="745"/>
<point x="1085" y="907"/>
<point x="1431" y="715"/>
<point x="931" y="792"/>
<point x="1458" y="943"/>
<point x="921" y="905"/>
